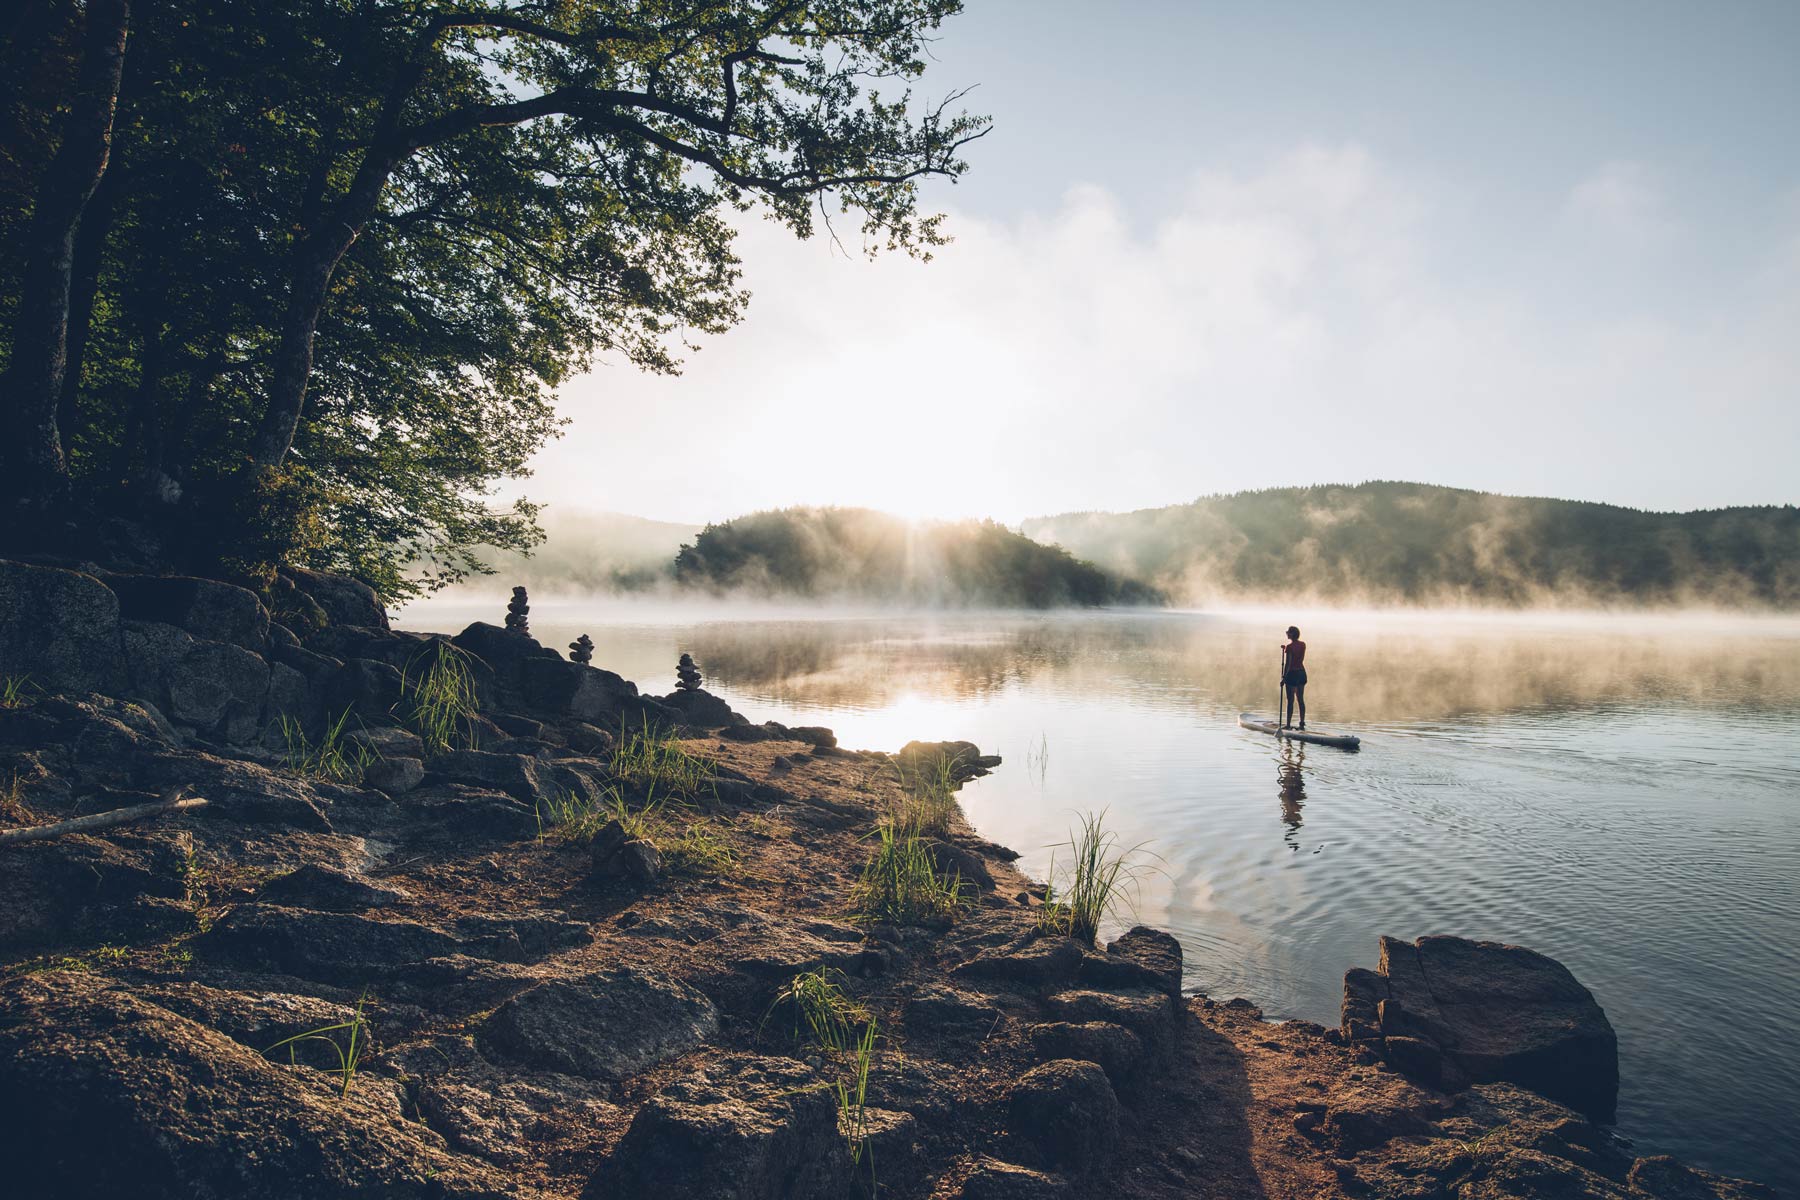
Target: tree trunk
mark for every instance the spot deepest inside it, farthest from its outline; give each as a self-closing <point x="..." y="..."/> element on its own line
<point x="39" y="475"/>
<point x="315" y="259"/>
<point x="90" y="245"/>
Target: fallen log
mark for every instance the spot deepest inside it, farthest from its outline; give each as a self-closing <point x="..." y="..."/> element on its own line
<point x="172" y="801"/>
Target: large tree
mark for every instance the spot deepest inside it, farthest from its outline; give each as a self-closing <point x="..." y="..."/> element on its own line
<point x="348" y="248"/>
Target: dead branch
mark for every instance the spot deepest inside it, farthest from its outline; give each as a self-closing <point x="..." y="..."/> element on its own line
<point x="173" y="800"/>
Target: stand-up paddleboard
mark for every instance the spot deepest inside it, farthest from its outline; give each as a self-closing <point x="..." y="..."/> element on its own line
<point x="1343" y="741"/>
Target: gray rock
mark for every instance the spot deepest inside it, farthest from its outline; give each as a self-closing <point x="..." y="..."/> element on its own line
<point x="1066" y="1110"/>
<point x="608" y="1025"/>
<point x="345" y="601"/>
<point x="700" y="708"/>
<point x="746" y="1128"/>
<point x="187" y="1112"/>
<point x="941" y="1010"/>
<point x="1148" y="1013"/>
<point x="88" y="888"/>
<point x="1039" y="962"/>
<point x="514" y="774"/>
<point x="369" y="689"/>
<point x="59" y="629"/>
<point x="341" y="948"/>
<point x="214" y="688"/>
<point x="1141" y="957"/>
<point x="639" y="862"/>
<point x="995" y="1180"/>
<point x="327" y="888"/>
<point x="395" y="776"/>
<point x="1113" y="1048"/>
<point x="1495" y="1012"/>
<point x="206" y="608"/>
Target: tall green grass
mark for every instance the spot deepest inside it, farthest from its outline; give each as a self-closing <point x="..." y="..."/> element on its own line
<point x="846" y="1032"/>
<point x="903" y="886"/>
<point x="1102" y="879"/>
<point x="572" y="817"/>
<point x="437" y="698"/>
<point x="928" y="799"/>
<point x="334" y="756"/>
<point x="652" y="759"/>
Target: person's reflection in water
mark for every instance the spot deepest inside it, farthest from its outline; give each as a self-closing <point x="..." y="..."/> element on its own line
<point x="1293" y="789"/>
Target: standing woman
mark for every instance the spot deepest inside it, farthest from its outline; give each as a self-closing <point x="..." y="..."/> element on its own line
<point x="1293" y="675"/>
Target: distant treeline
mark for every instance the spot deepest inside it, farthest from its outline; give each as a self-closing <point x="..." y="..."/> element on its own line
<point x="1406" y="542"/>
<point x="858" y="554"/>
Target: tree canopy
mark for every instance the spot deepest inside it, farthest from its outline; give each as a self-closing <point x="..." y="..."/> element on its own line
<point x="857" y="554"/>
<point x="336" y="256"/>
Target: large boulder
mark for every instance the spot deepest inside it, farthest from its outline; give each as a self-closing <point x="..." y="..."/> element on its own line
<point x="59" y="629"/>
<point x="609" y="1025"/>
<point x="1453" y="1010"/>
<point x="103" y="1093"/>
<point x="745" y="1128"/>
<point x="215" y="689"/>
<point x="87" y="889"/>
<point x="1067" y="1111"/>
<point x="206" y="608"/>
<point x="700" y="708"/>
<point x="343" y="600"/>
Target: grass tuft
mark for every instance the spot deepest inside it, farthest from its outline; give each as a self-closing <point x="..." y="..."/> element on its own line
<point x="334" y="756"/>
<point x="350" y="1051"/>
<point x="697" y="850"/>
<point x="846" y="1032"/>
<point x="652" y="759"/>
<point x="902" y="885"/>
<point x="437" y="698"/>
<point x="12" y="690"/>
<point x="929" y="799"/>
<point x="1103" y="879"/>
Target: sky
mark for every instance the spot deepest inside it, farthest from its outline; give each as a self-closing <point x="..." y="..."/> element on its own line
<point x="1536" y="248"/>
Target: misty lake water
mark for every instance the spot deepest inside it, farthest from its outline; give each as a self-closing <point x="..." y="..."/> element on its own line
<point x="1619" y="794"/>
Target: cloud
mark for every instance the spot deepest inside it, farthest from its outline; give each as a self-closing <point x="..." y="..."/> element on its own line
<point x="1620" y="204"/>
<point x="1313" y="319"/>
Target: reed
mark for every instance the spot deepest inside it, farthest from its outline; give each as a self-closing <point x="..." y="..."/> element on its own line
<point x="652" y="759"/>
<point x="902" y="885"/>
<point x="438" y="700"/>
<point x="1103" y="879"/>
<point x="335" y="756"/>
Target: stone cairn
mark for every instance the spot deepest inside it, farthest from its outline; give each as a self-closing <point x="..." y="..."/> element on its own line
<point x="581" y="650"/>
<point x="687" y="675"/>
<point x="517" y="613"/>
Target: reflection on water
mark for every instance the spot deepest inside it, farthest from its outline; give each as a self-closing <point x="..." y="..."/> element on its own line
<point x="1291" y="772"/>
<point x="1617" y="793"/>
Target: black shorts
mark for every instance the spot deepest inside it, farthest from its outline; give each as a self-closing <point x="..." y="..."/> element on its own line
<point x="1294" y="678"/>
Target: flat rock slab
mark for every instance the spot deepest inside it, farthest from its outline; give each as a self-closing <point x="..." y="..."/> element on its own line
<point x="1452" y="1010"/>
<point x="608" y="1025"/>
<point x="108" y="1094"/>
<point x="746" y="1128"/>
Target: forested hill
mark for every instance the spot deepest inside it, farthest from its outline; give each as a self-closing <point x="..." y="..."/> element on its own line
<point x="857" y="554"/>
<point x="1407" y="542"/>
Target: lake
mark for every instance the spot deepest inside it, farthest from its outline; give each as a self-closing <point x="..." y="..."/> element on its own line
<point x="1620" y="793"/>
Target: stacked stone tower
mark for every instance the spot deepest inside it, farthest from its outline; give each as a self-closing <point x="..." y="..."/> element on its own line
<point x="517" y="613"/>
<point x="581" y="650"/>
<point x="687" y="675"/>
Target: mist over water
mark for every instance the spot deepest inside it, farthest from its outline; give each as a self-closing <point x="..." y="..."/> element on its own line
<point x="1618" y="792"/>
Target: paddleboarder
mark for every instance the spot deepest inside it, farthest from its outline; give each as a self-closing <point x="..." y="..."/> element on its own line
<point x="1293" y="676"/>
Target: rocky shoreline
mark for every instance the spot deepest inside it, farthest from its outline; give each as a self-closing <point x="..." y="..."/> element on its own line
<point x="540" y="1014"/>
